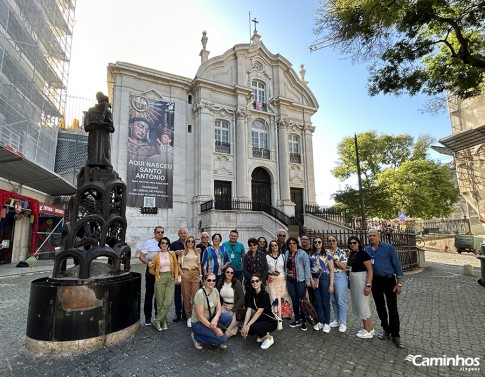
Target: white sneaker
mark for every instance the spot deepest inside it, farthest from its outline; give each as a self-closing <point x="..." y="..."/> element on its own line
<point x="318" y="326"/>
<point x="260" y="340"/>
<point x="196" y="343"/>
<point x="335" y="323"/>
<point x="361" y="331"/>
<point x="342" y="327"/>
<point x="189" y="322"/>
<point x="326" y="328"/>
<point x="267" y="343"/>
<point x="365" y="335"/>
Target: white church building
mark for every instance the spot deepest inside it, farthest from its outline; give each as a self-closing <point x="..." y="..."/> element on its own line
<point x="231" y="148"/>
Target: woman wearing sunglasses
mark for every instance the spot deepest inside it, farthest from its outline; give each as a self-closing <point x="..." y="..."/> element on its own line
<point x="232" y="297"/>
<point x="191" y="275"/>
<point x="208" y="314"/>
<point x="360" y="267"/>
<point x="278" y="293"/>
<point x="260" y="319"/>
<point x="297" y="268"/>
<point x="166" y="270"/>
<point x="322" y="271"/>
<point x="254" y="262"/>
<point x="341" y="284"/>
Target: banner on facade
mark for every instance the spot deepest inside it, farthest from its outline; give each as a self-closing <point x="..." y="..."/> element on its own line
<point x="149" y="178"/>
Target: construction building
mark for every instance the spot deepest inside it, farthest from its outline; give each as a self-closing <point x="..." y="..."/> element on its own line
<point x="35" y="48"/>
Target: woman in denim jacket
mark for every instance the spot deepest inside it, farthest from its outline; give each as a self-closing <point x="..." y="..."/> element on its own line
<point x="297" y="278"/>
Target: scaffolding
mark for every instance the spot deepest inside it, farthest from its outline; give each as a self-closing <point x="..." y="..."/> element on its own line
<point x="35" y="48"/>
<point x="467" y="115"/>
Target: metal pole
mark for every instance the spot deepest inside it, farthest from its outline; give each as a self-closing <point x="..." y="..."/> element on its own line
<point x="361" y="194"/>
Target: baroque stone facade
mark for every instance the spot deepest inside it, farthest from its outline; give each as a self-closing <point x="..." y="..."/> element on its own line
<point x="242" y="132"/>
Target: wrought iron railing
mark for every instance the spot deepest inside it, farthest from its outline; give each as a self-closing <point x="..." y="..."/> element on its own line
<point x="222" y="147"/>
<point x="331" y="214"/>
<point x="261" y="153"/>
<point x="248" y="205"/>
<point x="295" y="158"/>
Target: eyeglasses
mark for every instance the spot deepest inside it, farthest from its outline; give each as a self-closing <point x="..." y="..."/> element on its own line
<point x="230" y="272"/>
<point x="210" y="280"/>
<point x="353" y="243"/>
<point x="160" y="231"/>
<point x="164" y="243"/>
<point x="315" y="242"/>
<point x="281" y="235"/>
<point x="255" y="281"/>
<point x="190" y="241"/>
<point x="252" y="244"/>
<point x="274" y="244"/>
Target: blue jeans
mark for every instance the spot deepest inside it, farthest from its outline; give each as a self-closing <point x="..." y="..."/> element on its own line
<point x="339" y="297"/>
<point x="322" y="299"/>
<point x="296" y="289"/>
<point x="203" y="334"/>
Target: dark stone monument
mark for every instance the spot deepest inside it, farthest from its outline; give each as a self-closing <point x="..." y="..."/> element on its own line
<point x="97" y="301"/>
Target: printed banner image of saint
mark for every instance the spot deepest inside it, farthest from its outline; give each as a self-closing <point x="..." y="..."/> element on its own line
<point x="149" y="177"/>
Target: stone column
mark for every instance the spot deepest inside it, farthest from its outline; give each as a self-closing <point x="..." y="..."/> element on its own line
<point x="307" y="154"/>
<point x="286" y="205"/>
<point x="203" y="153"/>
<point x="241" y="157"/>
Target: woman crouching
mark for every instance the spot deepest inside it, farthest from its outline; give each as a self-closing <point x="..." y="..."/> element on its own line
<point x="207" y="314"/>
<point x="260" y="319"/>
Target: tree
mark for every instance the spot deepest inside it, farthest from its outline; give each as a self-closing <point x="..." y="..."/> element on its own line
<point x="397" y="176"/>
<point x="428" y="46"/>
<point x="420" y="188"/>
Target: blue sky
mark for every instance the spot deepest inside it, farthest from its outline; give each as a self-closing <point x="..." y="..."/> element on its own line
<point x="166" y="36"/>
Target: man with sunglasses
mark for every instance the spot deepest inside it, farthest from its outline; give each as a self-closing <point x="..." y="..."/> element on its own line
<point x="236" y="251"/>
<point x="281" y="240"/>
<point x="179" y="247"/>
<point x="146" y="255"/>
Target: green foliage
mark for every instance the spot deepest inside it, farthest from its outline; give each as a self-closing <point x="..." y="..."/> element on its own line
<point x="396" y="176"/>
<point x="428" y="46"/>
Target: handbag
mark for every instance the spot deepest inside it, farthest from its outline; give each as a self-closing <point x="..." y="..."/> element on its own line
<point x="308" y="311"/>
<point x="316" y="282"/>
<point x="240" y="314"/>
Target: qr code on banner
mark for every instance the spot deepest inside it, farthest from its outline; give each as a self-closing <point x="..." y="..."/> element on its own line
<point x="149" y="201"/>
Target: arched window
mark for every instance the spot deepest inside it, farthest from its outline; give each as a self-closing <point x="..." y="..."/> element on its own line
<point x="259" y="140"/>
<point x="294" y="148"/>
<point x="259" y="95"/>
<point x="221" y="137"/>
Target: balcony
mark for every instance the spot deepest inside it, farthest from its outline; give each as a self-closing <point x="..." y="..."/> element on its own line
<point x="295" y="158"/>
<point x="222" y="147"/>
<point x="261" y="153"/>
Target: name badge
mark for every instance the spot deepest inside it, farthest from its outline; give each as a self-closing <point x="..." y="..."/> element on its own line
<point x="211" y="304"/>
<point x="232" y="255"/>
<point x="372" y="260"/>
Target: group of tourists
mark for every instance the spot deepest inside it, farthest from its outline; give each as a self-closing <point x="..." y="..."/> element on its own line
<point x="221" y="289"/>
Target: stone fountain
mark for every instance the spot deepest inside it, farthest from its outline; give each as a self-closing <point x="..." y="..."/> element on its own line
<point x="96" y="302"/>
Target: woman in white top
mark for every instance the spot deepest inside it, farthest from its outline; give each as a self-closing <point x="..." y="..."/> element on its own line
<point x="232" y="297"/>
<point x="278" y="293"/>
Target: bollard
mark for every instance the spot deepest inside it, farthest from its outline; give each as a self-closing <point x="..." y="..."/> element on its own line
<point x="481" y="281"/>
<point x="468" y="270"/>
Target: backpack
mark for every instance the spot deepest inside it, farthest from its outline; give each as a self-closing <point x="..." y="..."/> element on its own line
<point x="308" y="311"/>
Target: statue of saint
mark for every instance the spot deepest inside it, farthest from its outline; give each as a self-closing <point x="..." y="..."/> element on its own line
<point x="98" y="122"/>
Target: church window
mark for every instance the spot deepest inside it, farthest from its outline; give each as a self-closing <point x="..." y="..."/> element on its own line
<point x="221" y="136"/>
<point x="259" y="96"/>
<point x="259" y="140"/>
<point x="294" y="148"/>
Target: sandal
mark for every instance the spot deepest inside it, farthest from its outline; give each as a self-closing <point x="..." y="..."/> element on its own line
<point x="397" y="341"/>
<point x="384" y="335"/>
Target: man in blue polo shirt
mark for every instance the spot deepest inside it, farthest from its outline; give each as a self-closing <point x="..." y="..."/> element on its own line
<point x="386" y="285"/>
<point x="235" y="250"/>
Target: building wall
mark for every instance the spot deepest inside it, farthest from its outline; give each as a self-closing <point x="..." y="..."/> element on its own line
<point x="221" y="91"/>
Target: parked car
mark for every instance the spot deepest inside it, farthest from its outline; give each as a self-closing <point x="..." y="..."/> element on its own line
<point x="468" y="243"/>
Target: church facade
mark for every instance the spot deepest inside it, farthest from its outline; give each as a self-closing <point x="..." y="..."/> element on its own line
<point x="230" y="148"/>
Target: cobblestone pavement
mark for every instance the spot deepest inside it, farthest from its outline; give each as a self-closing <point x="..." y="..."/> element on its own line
<point x="441" y="314"/>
